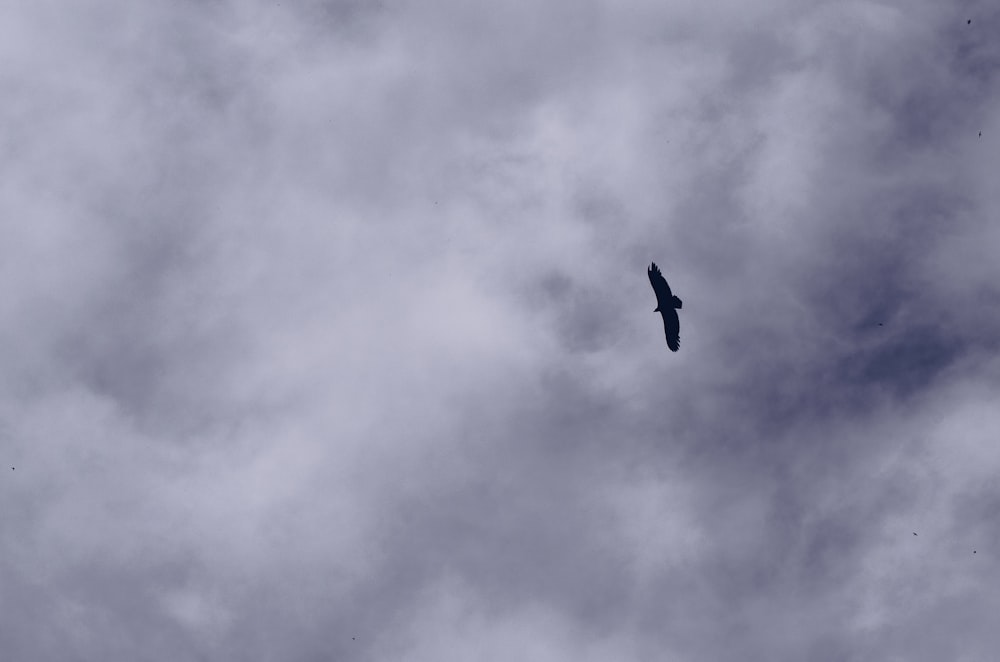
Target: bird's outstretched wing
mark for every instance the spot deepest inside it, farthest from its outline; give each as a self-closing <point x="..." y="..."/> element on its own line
<point x="660" y="287"/>
<point x="667" y="304"/>
<point x="672" y="328"/>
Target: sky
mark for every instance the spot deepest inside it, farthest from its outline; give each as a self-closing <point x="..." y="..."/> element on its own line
<point x="326" y="334"/>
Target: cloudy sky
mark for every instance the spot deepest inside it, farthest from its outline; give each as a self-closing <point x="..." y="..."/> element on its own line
<point x="326" y="331"/>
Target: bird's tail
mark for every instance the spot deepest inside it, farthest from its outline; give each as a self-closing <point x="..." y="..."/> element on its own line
<point x="678" y="303"/>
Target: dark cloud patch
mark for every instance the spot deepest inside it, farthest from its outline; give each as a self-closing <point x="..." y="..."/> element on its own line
<point x="909" y="362"/>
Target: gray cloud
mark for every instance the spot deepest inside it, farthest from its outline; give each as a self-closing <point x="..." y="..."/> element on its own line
<point x="327" y="334"/>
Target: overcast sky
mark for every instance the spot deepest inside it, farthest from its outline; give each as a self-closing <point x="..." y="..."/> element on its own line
<point x="325" y="331"/>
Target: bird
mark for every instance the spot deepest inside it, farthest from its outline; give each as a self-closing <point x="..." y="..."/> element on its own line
<point x="969" y="22"/>
<point x="667" y="305"/>
<point x="914" y="533"/>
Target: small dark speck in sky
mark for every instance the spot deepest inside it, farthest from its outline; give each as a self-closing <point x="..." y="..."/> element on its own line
<point x="969" y="22"/>
<point x="914" y="533"/>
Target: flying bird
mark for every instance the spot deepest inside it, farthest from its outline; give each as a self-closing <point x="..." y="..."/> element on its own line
<point x="667" y="305"/>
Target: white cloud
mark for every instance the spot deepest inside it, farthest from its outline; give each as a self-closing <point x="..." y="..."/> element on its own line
<point x="331" y="317"/>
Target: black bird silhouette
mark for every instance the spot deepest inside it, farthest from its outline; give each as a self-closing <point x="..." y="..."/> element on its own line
<point x="667" y="305"/>
<point x="914" y="533"/>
